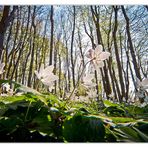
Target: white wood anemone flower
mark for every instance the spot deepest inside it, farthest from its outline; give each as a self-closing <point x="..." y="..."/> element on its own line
<point x="97" y="56"/>
<point x="2" y="68"/>
<point x="19" y="94"/>
<point x="6" y="86"/>
<point x="142" y="84"/>
<point x="46" y="76"/>
<point x="8" y="89"/>
<point x="4" y="95"/>
<point x="83" y="99"/>
<point x="92" y="94"/>
<point x="88" y="81"/>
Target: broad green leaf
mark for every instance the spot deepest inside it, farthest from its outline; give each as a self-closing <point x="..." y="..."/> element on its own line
<point x="26" y="89"/>
<point x="82" y="128"/>
<point x="114" y="111"/>
<point x="122" y="119"/>
<point x="110" y="136"/>
<point x="143" y="126"/>
<point x="143" y="136"/>
<point x="11" y="99"/>
<point x="10" y="124"/>
<point x="130" y="134"/>
<point x="108" y="103"/>
<point x="3" y="108"/>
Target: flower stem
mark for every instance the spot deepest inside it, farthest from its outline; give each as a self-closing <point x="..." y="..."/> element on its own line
<point x="79" y="78"/>
<point x="27" y="111"/>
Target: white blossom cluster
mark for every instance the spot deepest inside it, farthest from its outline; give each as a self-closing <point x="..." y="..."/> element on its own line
<point x="142" y="90"/>
<point x="97" y="57"/>
<point x="45" y="75"/>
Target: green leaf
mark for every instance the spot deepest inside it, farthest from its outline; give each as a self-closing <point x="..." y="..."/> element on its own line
<point x="11" y="99"/>
<point x="110" y="136"/>
<point x="82" y="128"/>
<point x="114" y="111"/>
<point x="3" y="108"/>
<point x="53" y="100"/>
<point x="9" y="124"/>
<point x="122" y="119"/>
<point x="26" y="89"/>
<point x="142" y="135"/>
<point x="41" y="122"/>
<point x="131" y="134"/>
<point x="143" y="126"/>
<point x="108" y="103"/>
<point x="71" y="111"/>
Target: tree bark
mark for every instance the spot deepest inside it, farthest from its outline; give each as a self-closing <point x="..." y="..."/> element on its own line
<point x="136" y="67"/>
<point x="51" y="35"/>
<point x="72" y="42"/>
<point x="104" y="73"/>
<point x="33" y="49"/>
<point x="117" y="54"/>
<point x="4" y="24"/>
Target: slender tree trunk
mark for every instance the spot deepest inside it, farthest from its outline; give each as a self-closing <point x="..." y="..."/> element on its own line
<point x="14" y="48"/>
<point x="56" y="57"/>
<point x="117" y="54"/>
<point x="60" y="72"/>
<point x="109" y="44"/>
<point x="136" y="67"/>
<point x="125" y="71"/>
<point x="80" y="47"/>
<point x="4" y="24"/>
<point x="28" y="54"/>
<point x="55" y="63"/>
<point x="72" y="42"/>
<point x="7" y="44"/>
<point x="22" y="41"/>
<point x="68" y="69"/>
<point x="104" y="73"/>
<point x="89" y="35"/>
<point x="51" y="35"/>
<point x="33" y="49"/>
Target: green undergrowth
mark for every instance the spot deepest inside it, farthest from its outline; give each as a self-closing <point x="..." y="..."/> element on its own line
<point x="45" y="118"/>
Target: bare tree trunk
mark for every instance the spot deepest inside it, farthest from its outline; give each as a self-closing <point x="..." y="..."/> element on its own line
<point x="22" y="41"/>
<point x="68" y="69"/>
<point x="4" y="23"/>
<point x="56" y="57"/>
<point x="60" y="72"/>
<point x="104" y="73"/>
<point x="51" y="34"/>
<point x="125" y="72"/>
<point x="33" y="49"/>
<point x="109" y="44"/>
<point x="80" y="47"/>
<point x="7" y="44"/>
<point x="14" y="47"/>
<point x="136" y="67"/>
<point x="28" y="54"/>
<point x="117" y="54"/>
<point x="89" y="35"/>
<point x="72" y="42"/>
<point x="55" y="63"/>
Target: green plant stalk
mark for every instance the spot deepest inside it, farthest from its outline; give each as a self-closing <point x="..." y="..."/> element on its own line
<point x="27" y="112"/>
<point x="79" y="78"/>
<point x="100" y="101"/>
